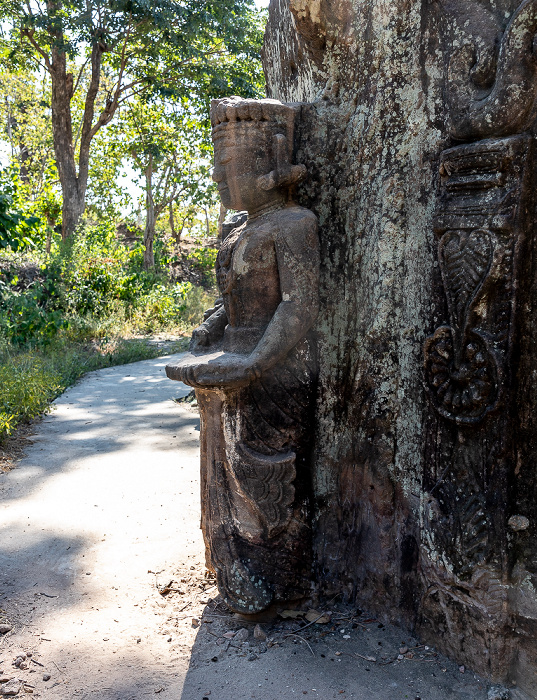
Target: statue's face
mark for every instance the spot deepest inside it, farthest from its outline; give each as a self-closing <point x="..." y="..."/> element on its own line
<point x="240" y="158"/>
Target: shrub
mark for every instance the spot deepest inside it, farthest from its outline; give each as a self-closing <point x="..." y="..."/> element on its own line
<point x="203" y="259"/>
<point x="28" y="387"/>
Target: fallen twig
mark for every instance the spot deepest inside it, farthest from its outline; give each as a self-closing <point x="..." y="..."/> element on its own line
<point x="292" y="634"/>
<point x="308" y="625"/>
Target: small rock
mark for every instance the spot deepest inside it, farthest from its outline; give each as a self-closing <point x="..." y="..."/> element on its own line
<point x="19" y="660"/>
<point x="242" y="635"/>
<point x="409" y="655"/>
<point x="403" y="650"/>
<point x="499" y="693"/>
<point x="12" y="687"/>
<point x="46" y="676"/>
<point x="462" y="669"/>
<point x="346" y="636"/>
<point x="259" y="634"/>
<point x="400" y="657"/>
<point x="195" y="622"/>
<point x="4" y="629"/>
<point x="253" y="657"/>
<point x="4" y="678"/>
<point x="262" y="648"/>
<point x="229" y="635"/>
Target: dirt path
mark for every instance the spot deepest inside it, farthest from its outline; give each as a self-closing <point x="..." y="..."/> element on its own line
<point x="103" y="512"/>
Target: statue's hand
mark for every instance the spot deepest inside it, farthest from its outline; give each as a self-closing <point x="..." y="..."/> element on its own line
<point x="226" y="373"/>
<point x="201" y="338"/>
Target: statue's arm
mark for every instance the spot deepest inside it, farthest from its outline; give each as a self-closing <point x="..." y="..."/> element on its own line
<point x="297" y="251"/>
<point x="212" y="328"/>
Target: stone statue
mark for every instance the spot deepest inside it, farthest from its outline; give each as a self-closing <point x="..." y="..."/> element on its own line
<point x="252" y="362"/>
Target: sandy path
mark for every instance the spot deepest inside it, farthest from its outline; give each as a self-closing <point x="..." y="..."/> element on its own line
<point x="103" y="496"/>
<point x="107" y="494"/>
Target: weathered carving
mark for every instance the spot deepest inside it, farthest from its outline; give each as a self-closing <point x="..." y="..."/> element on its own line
<point x="493" y="94"/>
<point x="252" y="362"/>
<point x="481" y="221"/>
<point x="479" y="215"/>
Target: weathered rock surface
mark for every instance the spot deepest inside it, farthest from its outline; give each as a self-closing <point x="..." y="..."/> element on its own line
<point x="416" y="128"/>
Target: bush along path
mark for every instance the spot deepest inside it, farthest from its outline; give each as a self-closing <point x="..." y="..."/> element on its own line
<point x="89" y="306"/>
<point x="103" y="590"/>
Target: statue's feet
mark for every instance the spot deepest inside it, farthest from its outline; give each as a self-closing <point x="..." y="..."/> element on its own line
<point x="243" y="591"/>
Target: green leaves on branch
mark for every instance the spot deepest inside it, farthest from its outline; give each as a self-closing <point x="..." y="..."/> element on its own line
<point x="17" y="230"/>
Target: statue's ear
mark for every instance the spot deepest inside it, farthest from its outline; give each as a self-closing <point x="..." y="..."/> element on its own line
<point x="285" y="174"/>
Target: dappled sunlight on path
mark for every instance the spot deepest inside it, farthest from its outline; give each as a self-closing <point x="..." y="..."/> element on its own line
<point x="103" y="497"/>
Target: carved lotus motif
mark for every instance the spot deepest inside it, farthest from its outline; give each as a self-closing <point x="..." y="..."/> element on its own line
<point x="466" y="391"/>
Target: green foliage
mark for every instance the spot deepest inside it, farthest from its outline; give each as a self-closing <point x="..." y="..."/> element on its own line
<point x="28" y="387"/>
<point x="203" y="259"/>
<point x="18" y="230"/>
<point x="31" y="379"/>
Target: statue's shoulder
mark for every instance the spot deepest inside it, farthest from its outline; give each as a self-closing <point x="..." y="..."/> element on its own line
<point x="297" y="217"/>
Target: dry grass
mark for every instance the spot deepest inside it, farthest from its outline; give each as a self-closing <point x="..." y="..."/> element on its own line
<point x="12" y="448"/>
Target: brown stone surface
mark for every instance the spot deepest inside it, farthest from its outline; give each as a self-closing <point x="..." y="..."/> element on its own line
<point x="416" y="128"/>
<point x="254" y="367"/>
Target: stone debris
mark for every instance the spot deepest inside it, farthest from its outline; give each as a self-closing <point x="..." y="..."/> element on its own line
<point x="5" y="628"/>
<point x="12" y="687"/>
<point x="242" y="635"/>
<point x="259" y="634"/>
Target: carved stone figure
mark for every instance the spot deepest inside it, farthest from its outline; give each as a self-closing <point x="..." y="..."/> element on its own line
<point x="252" y="362"/>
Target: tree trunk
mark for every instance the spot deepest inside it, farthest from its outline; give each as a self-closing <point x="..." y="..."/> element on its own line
<point x="73" y="194"/>
<point x="176" y="237"/>
<point x="150" y="218"/>
<point x="407" y="491"/>
<point x="73" y="183"/>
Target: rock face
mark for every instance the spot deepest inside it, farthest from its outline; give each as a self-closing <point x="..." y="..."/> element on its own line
<point x="416" y="127"/>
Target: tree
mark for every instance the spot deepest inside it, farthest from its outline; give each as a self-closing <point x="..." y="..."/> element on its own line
<point x="25" y="118"/>
<point x="191" y="48"/>
<point x="170" y="149"/>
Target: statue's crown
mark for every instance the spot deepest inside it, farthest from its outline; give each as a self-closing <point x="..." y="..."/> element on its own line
<point x="235" y="111"/>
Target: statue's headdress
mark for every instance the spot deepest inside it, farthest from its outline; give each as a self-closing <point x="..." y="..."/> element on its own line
<point x="231" y="115"/>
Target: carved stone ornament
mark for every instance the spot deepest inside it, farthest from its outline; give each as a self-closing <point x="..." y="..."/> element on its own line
<point x="252" y="362"/>
<point x="478" y="219"/>
<point x="483" y="223"/>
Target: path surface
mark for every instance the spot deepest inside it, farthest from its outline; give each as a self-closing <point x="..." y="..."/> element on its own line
<point x="104" y="509"/>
